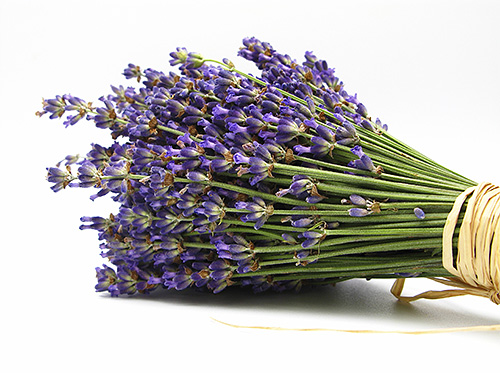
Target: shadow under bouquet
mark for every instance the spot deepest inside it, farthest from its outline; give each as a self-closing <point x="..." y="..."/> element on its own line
<point x="277" y="181"/>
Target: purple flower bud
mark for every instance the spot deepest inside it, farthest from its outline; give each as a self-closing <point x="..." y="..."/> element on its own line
<point x="98" y="223"/>
<point x="251" y="217"/>
<point x="241" y="159"/>
<point x="379" y="123"/>
<point x="301" y="223"/>
<point x="270" y="106"/>
<point x="330" y="100"/>
<point x="358" y="212"/>
<point x="357" y="200"/>
<point x="367" y="125"/>
<point x="311" y="234"/>
<point x="106" y="276"/>
<point x="257" y="165"/>
<point x="309" y="243"/>
<point x="220" y="274"/>
<point x="364" y="162"/>
<point x="189" y="152"/>
<point x="299" y="186"/>
<point x="288" y="238"/>
<point x="303" y="253"/>
<point x="339" y="117"/>
<point x="60" y="178"/>
<point x="220" y="165"/>
<point x="362" y="110"/>
<point x="419" y="213"/>
<point x="311" y="123"/>
<point x="190" y="164"/>
<point x="178" y="57"/>
<point x="217" y="286"/>
<point x="260" y="222"/>
<point x="325" y="133"/>
<point x="196" y="176"/>
<point x="218" y="265"/>
<point x="262" y="152"/>
<point x="300" y="149"/>
<point x="257" y="178"/>
<point x="314" y="199"/>
<point x="236" y="249"/>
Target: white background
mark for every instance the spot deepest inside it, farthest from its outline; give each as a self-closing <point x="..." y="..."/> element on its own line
<point x="429" y="69"/>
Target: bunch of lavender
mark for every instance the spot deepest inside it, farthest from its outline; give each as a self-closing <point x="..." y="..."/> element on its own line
<point x="272" y="182"/>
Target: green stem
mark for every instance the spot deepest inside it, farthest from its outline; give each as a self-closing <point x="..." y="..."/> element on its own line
<point x="254" y="193"/>
<point x="261" y="232"/>
<point x="177" y="132"/>
<point x="345" y="190"/>
<point x="326" y="245"/>
<point x="356" y="180"/>
<point x="407" y="232"/>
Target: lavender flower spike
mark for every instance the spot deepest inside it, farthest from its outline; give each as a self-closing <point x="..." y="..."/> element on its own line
<point x="222" y="179"/>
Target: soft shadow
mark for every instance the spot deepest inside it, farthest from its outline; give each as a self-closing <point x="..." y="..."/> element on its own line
<point x="353" y="299"/>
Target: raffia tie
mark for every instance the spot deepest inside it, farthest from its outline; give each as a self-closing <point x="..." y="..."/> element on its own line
<point x="477" y="270"/>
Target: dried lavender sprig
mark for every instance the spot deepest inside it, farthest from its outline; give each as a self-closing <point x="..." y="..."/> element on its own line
<point x="310" y="71"/>
<point x="160" y="126"/>
<point x="392" y="144"/>
<point x="147" y="126"/>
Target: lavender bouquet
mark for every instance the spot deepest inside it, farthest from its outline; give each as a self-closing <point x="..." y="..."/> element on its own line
<point x="272" y="182"/>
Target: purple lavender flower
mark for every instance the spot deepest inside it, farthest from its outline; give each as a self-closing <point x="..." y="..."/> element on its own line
<point x="346" y="134"/>
<point x="194" y="60"/>
<point x="179" y="56"/>
<point x="302" y="187"/>
<point x="139" y="217"/>
<point x="197" y="151"/>
<point x="288" y="238"/>
<point x="88" y="175"/>
<point x="302" y="222"/>
<point x="311" y="238"/>
<point x="359" y="212"/>
<point x="201" y="278"/>
<point x="106" y="277"/>
<point x="220" y="270"/>
<point x="287" y="130"/>
<point x="133" y="72"/>
<point x="357" y="200"/>
<point x="259" y="211"/>
<point x="419" y="213"/>
<point x="105" y="117"/>
<point x="321" y="147"/>
<point x="116" y="176"/>
<point x="60" y="178"/>
<point x="98" y="223"/>
<point x="364" y="162"/>
<point x="78" y="105"/>
<point x="99" y="155"/>
<point x="56" y="106"/>
<point x="212" y="208"/>
<point x="196" y="176"/>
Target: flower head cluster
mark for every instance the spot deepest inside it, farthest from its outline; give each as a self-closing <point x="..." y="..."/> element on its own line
<point x="210" y="166"/>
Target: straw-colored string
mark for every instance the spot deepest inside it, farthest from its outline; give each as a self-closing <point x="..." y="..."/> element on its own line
<point x="477" y="265"/>
<point x="368" y="331"/>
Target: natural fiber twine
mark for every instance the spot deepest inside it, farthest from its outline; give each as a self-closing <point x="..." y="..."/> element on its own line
<point x="477" y="264"/>
<point x="368" y="331"/>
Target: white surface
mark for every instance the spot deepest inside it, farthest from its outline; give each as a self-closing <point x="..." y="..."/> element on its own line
<point x="429" y="69"/>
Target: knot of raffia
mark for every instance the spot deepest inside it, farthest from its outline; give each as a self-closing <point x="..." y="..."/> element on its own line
<point x="476" y="265"/>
